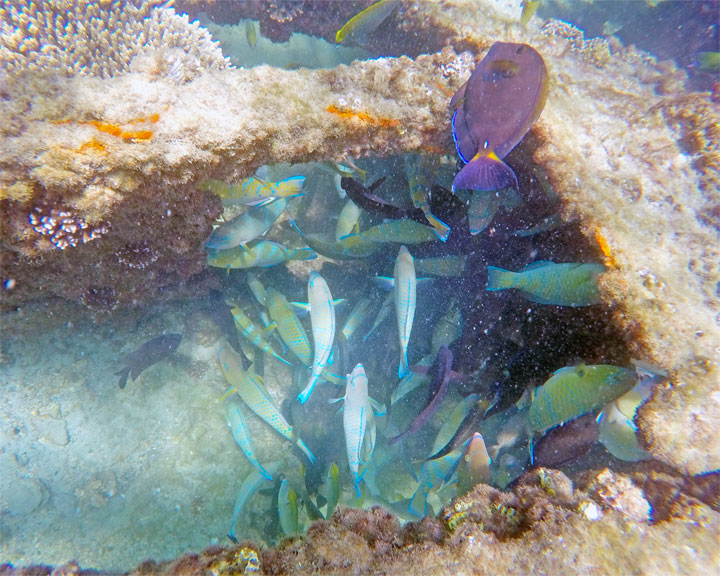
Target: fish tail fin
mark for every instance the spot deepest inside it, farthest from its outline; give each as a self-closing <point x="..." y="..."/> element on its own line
<point x="418" y="505"/>
<point x="442" y="230"/>
<point x="305" y="394"/>
<point x="306" y="451"/>
<point x="499" y="279"/>
<point x="291" y="186"/>
<point x="403" y="369"/>
<point x="123" y="377"/>
<point x="485" y="173"/>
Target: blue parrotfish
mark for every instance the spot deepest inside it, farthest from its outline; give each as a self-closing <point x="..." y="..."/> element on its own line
<point x="495" y="109"/>
<point x="322" y="318"/>
<point x="433" y="475"/>
<point x="347" y="222"/>
<point x="250" y="485"/>
<point x="404" y="289"/>
<point x="253" y="335"/>
<point x="246" y="227"/>
<point x="287" y="509"/>
<point x="359" y="27"/>
<point x="544" y="282"/>
<point x="576" y="390"/>
<point x="260" y="254"/>
<point x="152" y="352"/>
<point x="249" y="387"/>
<point x="356" y="413"/>
<point x="440" y="374"/>
<point x="288" y="326"/>
<point x="241" y="434"/>
<point x="254" y="191"/>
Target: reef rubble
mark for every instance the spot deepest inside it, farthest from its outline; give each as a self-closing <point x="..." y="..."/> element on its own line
<point x="543" y="525"/>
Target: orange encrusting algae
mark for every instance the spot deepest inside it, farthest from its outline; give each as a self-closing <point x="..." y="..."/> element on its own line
<point x="605" y="249"/>
<point x="363" y="117"/>
<point x="120" y="133"/>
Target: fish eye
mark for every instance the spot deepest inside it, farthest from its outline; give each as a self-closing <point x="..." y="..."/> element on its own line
<point x="520" y="49"/>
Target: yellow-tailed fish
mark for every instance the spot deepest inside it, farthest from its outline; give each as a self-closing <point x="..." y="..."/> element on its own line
<point x="322" y="319"/>
<point x="446" y="266"/>
<point x="249" y="387"/>
<point x="287" y="509"/>
<point x="347" y="222"/>
<point x="356" y="412"/>
<point x="404" y="290"/>
<point x="259" y="254"/>
<point x="246" y="227"/>
<point x="333" y="489"/>
<point x="250" y="485"/>
<point x="357" y="317"/>
<point x="433" y="475"/>
<point x="495" y="108"/>
<point x="449" y="327"/>
<point x="348" y="248"/>
<point x="241" y="434"/>
<point x="544" y="282"/>
<point x="250" y="33"/>
<point x="357" y="29"/>
<point x="577" y="390"/>
<point x="617" y="430"/>
<point x="250" y="332"/>
<point x="421" y="171"/>
<point x="256" y="288"/>
<point x="451" y="424"/>
<point x="255" y="191"/>
<point x="474" y="466"/>
<point x="288" y="326"/>
<point x="529" y="7"/>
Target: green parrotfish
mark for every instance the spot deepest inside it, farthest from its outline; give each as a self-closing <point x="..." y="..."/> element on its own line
<point x="576" y="390"/>
<point x="261" y="254"/>
<point x="495" y="109"/>
<point x="545" y="282"/>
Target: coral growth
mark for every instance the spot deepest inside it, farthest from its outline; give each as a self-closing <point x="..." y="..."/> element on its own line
<point x="95" y="38"/>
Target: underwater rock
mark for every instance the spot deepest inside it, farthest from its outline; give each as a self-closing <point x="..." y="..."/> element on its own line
<point x="21" y="496"/>
<point x="618" y="492"/>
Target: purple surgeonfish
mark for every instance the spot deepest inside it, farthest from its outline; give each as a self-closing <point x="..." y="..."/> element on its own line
<point x="494" y="110"/>
<point x="441" y="374"/>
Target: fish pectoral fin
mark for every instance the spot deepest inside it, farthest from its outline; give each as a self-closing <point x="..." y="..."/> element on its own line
<point x="227" y="393"/>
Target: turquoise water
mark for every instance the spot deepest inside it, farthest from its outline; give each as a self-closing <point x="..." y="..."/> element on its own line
<point x="112" y="476"/>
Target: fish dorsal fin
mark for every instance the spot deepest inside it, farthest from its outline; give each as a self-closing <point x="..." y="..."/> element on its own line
<point x="538" y="264"/>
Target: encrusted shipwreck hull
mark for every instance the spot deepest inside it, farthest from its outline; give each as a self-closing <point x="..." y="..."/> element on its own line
<point x="99" y="176"/>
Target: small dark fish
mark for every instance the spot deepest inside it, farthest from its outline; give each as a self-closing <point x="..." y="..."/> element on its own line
<point x="441" y="373"/>
<point x="366" y="199"/>
<point x="148" y="354"/>
<point x="566" y="443"/>
<point x="495" y="109"/>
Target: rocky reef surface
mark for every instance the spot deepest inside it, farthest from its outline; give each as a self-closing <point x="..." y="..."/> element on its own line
<point x="100" y="201"/>
<point x="543" y="525"/>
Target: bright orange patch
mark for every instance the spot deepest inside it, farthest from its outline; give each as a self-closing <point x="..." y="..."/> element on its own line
<point x="605" y="249"/>
<point x="92" y="146"/>
<point x="363" y="117"/>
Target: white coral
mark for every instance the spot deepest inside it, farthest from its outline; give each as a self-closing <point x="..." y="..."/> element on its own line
<point x="96" y="37"/>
